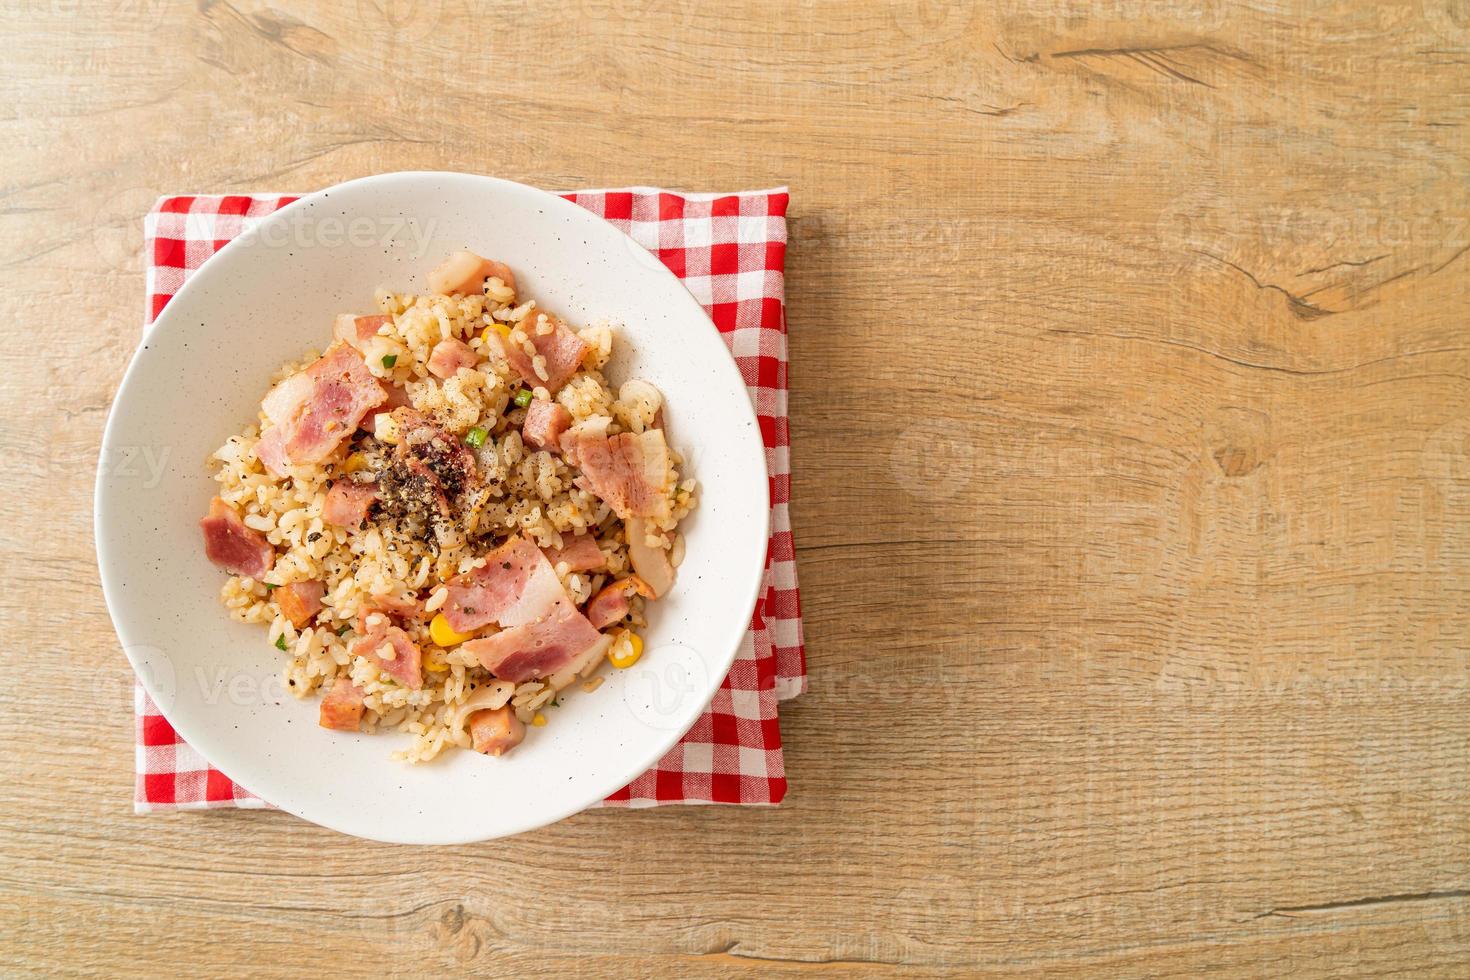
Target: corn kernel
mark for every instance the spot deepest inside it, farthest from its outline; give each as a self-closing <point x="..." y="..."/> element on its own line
<point x="385" y="427"/>
<point x="355" y="462"/>
<point x="499" y="328"/>
<point x="626" y="649"/>
<point x="539" y="721"/>
<point x="443" y="634"/>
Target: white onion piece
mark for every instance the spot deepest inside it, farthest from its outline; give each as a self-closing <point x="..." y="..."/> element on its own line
<point x="651" y="564"/>
<point x="493" y="695"/>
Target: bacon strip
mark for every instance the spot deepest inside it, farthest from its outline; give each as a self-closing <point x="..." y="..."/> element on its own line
<point x="632" y="472"/>
<point x="562" y="348"/>
<point x="314" y="410"/>
<point x="516" y="585"/>
<point x="538" y="648"/>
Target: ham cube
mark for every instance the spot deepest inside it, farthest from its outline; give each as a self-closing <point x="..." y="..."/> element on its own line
<point x="395" y="654"/>
<point x="341" y="707"/>
<point x="237" y="549"/>
<point x="544" y="425"/>
<point x="580" y="553"/>
<point x="348" y="503"/>
<point x="300" y="601"/>
<point x="609" y="605"/>
<point x="449" y="356"/>
<point x="611" y="602"/>
<point x="495" y="731"/>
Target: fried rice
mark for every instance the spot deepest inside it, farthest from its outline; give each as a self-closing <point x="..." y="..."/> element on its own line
<point x="383" y="561"/>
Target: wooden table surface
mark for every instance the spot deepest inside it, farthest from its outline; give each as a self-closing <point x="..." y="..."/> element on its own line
<point x="1130" y="378"/>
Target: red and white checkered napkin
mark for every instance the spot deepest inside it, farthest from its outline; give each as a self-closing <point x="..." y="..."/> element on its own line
<point x="730" y="251"/>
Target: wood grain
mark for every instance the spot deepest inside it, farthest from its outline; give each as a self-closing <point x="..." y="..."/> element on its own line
<point x="1130" y="380"/>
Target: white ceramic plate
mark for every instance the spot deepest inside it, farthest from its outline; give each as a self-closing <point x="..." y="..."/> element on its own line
<point x="199" y="376"/>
